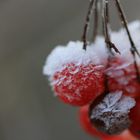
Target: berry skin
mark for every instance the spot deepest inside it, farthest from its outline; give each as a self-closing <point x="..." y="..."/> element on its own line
<point x="135" y="118"/>
<point x="122" y="76"/>
<point x="79" y="84"/>
<point x="126" y="135"/>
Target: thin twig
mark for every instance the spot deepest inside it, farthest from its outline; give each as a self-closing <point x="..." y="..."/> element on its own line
<point x="133" y="49"/>
<point x="84" y="37"/>
<point x="105" y="21"/>
<point x="105" y="15"/>
<point x="96" y="19"/>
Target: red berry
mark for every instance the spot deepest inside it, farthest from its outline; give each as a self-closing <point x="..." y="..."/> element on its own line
<point x="87" y="125"/>
<point x="126" y="135"/>
<point x="79" y="84"/>
<point x="135" y="118"/>
<point x="122" y="76"/>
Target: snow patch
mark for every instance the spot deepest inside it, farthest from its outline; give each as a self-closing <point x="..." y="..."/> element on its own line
<point x="73" y="52"/>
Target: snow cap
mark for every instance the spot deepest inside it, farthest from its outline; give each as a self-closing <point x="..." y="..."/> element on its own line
<point x="73" y="52"/>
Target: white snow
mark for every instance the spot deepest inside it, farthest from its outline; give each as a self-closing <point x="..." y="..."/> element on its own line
<point x="121" y="41"/>
<point x="73" y="52"/>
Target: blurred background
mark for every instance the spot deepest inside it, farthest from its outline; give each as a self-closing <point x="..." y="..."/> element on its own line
<point x="29" y="30"/>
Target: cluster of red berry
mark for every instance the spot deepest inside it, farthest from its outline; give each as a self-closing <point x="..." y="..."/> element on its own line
<point x="106" y="92"/>
<point x="104" y="84"/>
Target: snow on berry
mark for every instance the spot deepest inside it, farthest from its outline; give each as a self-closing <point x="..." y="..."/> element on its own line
<point x="111" y="114"/>
<point x="73" y="52"/>
<point x="121" y="73"/>
<point x="135" y="118"/>
<point x="76" y="75"/>
<point x="121" y="41"/>
<point x="69" y="67"/>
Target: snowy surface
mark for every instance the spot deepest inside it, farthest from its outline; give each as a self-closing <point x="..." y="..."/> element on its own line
<point x="96" y="53"/>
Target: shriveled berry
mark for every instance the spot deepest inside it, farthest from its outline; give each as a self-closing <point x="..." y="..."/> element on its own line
<point x="122" y="76"/>
<point x="111" y="114"/>
<point x="135" y="118"/>
<point x="79" y="84"/>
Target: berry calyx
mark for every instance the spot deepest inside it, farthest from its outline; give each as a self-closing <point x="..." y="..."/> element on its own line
<point x="135" y="118"/>
<point x="79" y="85"/>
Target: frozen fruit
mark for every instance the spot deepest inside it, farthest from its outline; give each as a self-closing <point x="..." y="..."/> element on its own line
<point x="76" y="75"/>
<point x="122" y="76"/>
<point x="135" y="118"/>
<point x="79" y="85"/>
<point x="111" y="114"/>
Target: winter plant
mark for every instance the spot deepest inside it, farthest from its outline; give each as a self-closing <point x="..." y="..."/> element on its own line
<point x="101" y="76"/>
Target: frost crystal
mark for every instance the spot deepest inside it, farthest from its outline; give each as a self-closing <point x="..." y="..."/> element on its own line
<point x="111" y="115"/>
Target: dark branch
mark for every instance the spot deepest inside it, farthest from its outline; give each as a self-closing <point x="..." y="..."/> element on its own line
<point x="84" y="37"/>
<point x="96" y="19"/>
<point x="105" y="15"/>
<point x="133" y="49"/>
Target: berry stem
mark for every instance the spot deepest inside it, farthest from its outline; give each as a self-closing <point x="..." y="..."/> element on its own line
<point x="105" y="16"/>
<point x="109" y="44"/>
<point x="133" y="49"/>
<point x="84" y="37"/>
<point x="105" y="22"/>
<point x="96" y="19"/>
